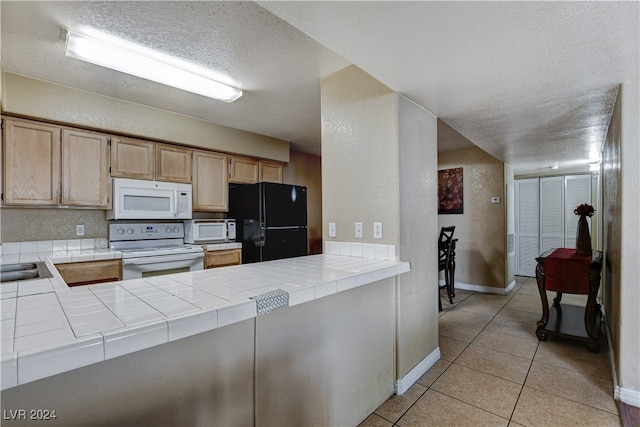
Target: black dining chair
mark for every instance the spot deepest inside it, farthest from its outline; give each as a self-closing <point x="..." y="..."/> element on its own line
<point x="447" y="262"/>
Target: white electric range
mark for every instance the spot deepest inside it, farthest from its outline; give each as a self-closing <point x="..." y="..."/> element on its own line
<point x="154" y="248"/>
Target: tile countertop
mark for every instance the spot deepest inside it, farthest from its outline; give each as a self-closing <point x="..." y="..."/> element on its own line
<point x="49" y="328"/>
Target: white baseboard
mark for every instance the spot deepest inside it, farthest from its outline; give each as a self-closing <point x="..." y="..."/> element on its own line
<point x="628" y="396"/>
<point x="483" y="289"/>
<point x="625" y="395"/>
<point x="403" y="384"/>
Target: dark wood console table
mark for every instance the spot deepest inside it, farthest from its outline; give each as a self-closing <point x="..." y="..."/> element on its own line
<point x="582" y="323"/>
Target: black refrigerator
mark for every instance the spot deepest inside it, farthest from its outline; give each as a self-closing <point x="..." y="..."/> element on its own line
<point x="271" y="220"/>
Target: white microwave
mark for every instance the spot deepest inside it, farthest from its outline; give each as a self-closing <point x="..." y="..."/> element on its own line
<point x="140" y="199"/>
<point x="209" y="230"/>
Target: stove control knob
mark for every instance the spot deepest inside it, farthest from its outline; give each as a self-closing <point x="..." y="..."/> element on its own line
<point x="129" y="230"/>
<point x="168" y="230"/>
<point x="176" y="230"/>
<point x="120" y="231"/>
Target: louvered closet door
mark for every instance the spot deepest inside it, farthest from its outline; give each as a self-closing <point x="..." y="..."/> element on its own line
<point x="551" y="213"/>
<point x="527" y="220"/>
<point x="577" y="192"/>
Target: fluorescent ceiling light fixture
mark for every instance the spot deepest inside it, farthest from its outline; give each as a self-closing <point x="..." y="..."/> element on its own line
<point x="141" y="62"/>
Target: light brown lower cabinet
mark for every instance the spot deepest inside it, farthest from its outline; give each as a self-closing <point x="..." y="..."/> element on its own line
<point x="90" y="272"/>
<point x="222" y="258"/>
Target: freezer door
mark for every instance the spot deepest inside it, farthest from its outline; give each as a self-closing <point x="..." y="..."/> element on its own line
<point x="284" y="243"/>
<point x="284" y="205"/>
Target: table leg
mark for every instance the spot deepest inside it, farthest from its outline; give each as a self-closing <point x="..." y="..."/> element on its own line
<point x="542" y="323"/>
<point x="591" y="312"/>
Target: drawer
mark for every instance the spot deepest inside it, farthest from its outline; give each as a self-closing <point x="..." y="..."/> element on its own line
<point x="90" y="272"/>
<point x="222" y="258"/>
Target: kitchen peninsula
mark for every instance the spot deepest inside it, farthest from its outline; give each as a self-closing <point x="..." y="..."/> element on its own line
<point x="226" y="345"/>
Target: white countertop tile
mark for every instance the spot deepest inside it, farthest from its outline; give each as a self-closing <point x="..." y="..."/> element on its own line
<point x="134" y="338"/>
<point x="48" y="328"/>
<point x="44" y="361"/>
<point x="9" y="369"/>
<point x="8" y="308"/>
<point x="192" y="324"/>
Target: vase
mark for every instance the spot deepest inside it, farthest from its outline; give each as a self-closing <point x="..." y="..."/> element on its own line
<point x="583" y="237"/>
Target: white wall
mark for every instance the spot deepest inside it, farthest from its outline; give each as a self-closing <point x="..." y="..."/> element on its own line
<point x="359" y="156"/>
<point x="629" y="369"/>
<point x="28" y="97"/>
<point x="379" y="154"/>
<point x="417" y="334"/>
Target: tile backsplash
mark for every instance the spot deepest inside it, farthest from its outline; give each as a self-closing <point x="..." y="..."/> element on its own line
<point x="361" y="250"/>
<point x="49" y="246"/>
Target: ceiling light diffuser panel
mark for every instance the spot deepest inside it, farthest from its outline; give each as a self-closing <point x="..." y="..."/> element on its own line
<point x="130" y="61"/>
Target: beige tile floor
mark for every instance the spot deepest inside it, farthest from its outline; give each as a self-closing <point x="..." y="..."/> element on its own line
<point x="495" y="372"/>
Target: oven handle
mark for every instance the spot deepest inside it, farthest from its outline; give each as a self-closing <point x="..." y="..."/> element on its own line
<point x="162" y="258"/>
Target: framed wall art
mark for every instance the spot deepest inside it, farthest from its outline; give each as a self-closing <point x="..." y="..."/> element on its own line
<point x="450" y="188"/>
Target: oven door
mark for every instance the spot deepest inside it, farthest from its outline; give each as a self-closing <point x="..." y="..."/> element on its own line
<point x="135" y="268"/>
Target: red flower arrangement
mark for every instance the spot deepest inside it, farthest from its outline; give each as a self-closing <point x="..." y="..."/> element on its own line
<point x="584" y="209"/>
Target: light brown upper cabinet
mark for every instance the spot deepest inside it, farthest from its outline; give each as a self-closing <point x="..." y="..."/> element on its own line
<point x="210" y="182"/>
<point x="173" y="163"/>
<point x="132" y="158"/>
<point x="31" y="163"/>
<point x="138" y="159"/>
<point x="271" y="171"/>
<point x="85" y="169"/>
<point x="48" y="165"/>
<point x="243" y="170"/>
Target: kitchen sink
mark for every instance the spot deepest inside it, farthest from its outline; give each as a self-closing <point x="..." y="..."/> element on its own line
<point x="24" y="271"/>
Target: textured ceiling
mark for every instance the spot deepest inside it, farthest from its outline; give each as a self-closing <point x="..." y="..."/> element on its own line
<point x="278" y="67"/>
<point x="531" y="83"/>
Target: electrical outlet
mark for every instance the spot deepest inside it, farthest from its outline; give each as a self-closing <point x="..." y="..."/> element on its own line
<point x="332" y="229"/>
<point x="359" y="230"/>
<point x="377" y="230"/>
<point x="79" y="230"/>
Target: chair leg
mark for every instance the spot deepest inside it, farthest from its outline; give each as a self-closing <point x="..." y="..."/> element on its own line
<point x="453" y="281"/>
<point x="447" y="281"/>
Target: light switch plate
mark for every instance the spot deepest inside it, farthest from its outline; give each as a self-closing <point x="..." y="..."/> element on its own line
<point x="495" y="200"/>
<point x="332" y="229"/>
<point x="377" y="230"/>
<point x="359" y="230"/>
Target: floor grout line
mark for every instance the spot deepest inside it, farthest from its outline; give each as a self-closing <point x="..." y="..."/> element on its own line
<point x="519" y="288"/>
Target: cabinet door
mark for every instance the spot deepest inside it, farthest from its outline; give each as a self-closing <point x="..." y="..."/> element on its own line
<point x="132" y="158"/>
<point x="173" y="163"/>
<point x="85" y="169"/>
<point x="90" y="272"/>
<point x="271" y="172"/>
<point x="31" y="163"/>
<point x="243" y="170"/>
<point x="223" y="258"/>
<point x="210" y="182"/>
<point x="527" y="226"/>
